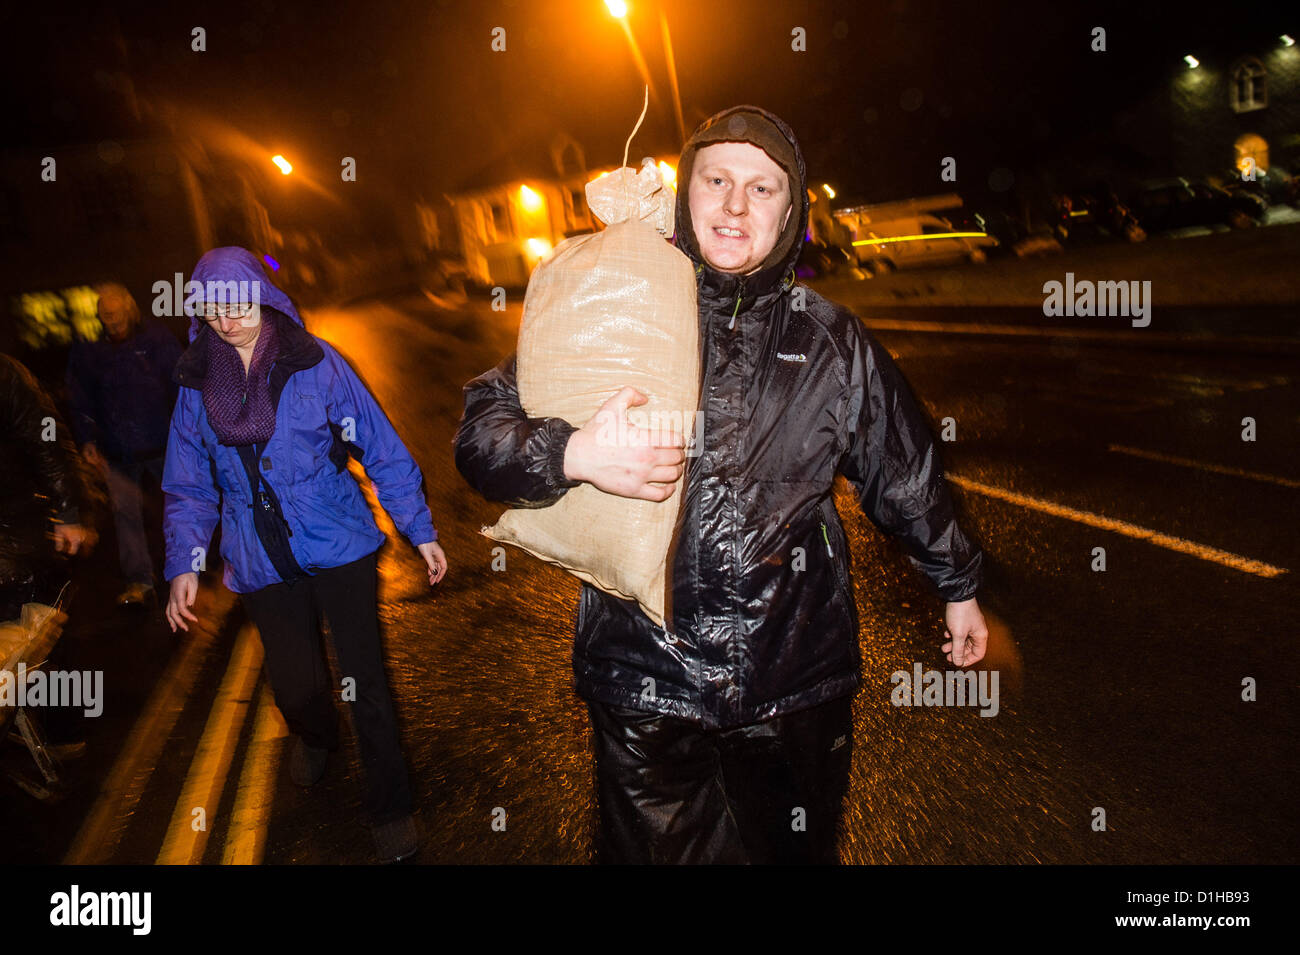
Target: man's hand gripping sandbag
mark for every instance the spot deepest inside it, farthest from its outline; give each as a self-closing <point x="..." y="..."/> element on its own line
<point x="604" y="312"/>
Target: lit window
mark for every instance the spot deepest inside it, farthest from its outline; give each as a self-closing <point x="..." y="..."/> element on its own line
<point x="578" y="215"/>
<point x="1248" y="89"/>
<point x="501" y="221"/>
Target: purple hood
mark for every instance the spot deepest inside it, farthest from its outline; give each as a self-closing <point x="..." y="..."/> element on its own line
<point x="233" y="264"/>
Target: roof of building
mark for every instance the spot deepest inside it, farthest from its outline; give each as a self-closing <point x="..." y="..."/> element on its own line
<point x="560" y="157"/>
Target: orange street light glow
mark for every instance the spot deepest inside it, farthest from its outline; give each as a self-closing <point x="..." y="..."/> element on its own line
<point x="537" y="247"/>
<point x="283" y="163"/>
<point x="617" y="8"/>
<point x="668" y="172"/>
<point x="830" y="193"/>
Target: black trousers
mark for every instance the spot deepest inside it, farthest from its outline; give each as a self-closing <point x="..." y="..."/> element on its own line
<point x="671" y="792"/>
<point x="288" y="617"/>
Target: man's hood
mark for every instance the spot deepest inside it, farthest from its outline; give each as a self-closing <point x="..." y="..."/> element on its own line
<point x="233" y="264"/>
<point x="726" y="126"/>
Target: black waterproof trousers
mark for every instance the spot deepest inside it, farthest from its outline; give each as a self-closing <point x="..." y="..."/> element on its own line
<point x="288" y="618"/>
<point x="670" y="791"/>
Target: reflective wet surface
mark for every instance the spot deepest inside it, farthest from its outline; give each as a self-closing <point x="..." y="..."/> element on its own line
<point x="1120" y="690"/>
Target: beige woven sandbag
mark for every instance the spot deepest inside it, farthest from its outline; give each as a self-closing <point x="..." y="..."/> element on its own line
<point x="603" y="311"/>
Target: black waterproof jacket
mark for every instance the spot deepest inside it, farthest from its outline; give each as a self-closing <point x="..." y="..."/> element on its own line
<point x="40" y="480"/>
<point x="794" y="389"/>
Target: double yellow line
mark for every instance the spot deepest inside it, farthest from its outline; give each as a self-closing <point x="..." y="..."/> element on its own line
<point x="200" y="798"/>
<point x="205" y="783"/>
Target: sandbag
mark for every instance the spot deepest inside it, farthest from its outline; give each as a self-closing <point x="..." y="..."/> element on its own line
<point x="603" y="311"/>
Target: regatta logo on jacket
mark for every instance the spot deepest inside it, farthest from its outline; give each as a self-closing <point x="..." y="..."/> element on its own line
<point x="785" y="357"/>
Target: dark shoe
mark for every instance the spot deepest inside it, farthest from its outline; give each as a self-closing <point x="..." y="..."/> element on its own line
<point x="396" y="840"/>
<point x="137" y="595"/>
<point x="306" y="763"/>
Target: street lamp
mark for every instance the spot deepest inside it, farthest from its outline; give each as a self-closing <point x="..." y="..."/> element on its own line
<point x="285" y="167"/>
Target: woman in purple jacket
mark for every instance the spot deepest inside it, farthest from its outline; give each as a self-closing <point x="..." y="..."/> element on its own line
<point x="272" y="413"/>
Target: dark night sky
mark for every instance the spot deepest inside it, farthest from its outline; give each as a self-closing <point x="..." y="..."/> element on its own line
<point x="414" y="92"/>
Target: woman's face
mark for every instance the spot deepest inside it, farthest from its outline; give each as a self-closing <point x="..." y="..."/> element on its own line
<point x="236" y="325"/>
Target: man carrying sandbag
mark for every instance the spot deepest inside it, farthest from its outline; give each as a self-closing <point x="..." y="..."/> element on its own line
<point x="748" y="718"/>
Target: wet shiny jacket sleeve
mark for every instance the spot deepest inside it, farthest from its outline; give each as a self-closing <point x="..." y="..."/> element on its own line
<point x="504" y="454"/>
<point x="893" y="462"/>
<point x="26" y="411"/>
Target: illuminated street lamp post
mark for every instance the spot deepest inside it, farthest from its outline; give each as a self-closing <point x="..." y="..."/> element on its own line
<point x="672" y="76"/>
<point x="618" y="10"/>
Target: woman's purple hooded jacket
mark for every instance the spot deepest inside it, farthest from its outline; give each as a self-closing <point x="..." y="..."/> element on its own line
<point x="323" y="413"/>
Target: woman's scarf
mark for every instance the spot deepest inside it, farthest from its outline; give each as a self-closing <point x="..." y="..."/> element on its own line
<point x="239" y="405"/>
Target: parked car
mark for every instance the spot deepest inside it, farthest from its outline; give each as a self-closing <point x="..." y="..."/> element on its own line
<point x="919" y="240"/>
<point x="1274" y="186"/>
<point x="1180" y="203"/>
<point x="1007" y="229"/>
<point x="1096" y="213"/>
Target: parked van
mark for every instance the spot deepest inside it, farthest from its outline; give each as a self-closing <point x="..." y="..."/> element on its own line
<point x="914" y="241"/>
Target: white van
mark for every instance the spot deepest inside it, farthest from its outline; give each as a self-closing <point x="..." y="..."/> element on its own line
<point x="914" y="241"/>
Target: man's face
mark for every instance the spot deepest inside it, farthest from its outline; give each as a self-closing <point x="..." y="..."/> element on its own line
<point x="740" y="201"/>
<point x="117" y="314"/>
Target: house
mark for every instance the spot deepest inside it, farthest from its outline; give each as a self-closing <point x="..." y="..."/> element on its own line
<point x="1217" y="111"/>
<point x="518" y="207"/>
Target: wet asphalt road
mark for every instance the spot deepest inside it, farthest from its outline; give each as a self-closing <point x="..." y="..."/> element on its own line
<point x="1119" y="690"/>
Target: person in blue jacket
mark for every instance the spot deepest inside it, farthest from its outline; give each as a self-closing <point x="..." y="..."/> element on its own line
<point x="265" y="420"/>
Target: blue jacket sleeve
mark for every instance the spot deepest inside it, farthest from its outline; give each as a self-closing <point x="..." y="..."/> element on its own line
<point x="394" y="473"/>
<point x="893" y="463"/>
<point x="193" y="503"/>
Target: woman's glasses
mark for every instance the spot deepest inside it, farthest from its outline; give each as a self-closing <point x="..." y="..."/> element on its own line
<point x="211" y="313"/>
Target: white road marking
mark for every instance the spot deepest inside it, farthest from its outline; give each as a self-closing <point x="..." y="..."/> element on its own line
<point x="1087" y="334"/>
<point x="1201" y="465"/>
<point x="1235" y="561"/>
